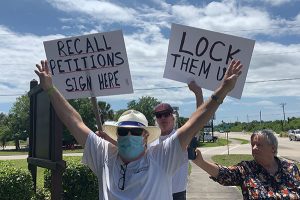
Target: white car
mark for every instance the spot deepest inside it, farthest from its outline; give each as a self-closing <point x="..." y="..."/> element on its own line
<point x="294" y="134"/>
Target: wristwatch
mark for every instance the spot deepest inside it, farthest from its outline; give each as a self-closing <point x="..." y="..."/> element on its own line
<point x="216" y="99"/>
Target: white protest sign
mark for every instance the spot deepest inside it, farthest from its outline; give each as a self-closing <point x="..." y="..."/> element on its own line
<point x="89" y="65"/>
<point x="203" y="56"/>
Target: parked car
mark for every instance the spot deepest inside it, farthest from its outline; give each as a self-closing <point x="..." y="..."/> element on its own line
<point x="207" y="136"/>
<point x="294" y="134"/>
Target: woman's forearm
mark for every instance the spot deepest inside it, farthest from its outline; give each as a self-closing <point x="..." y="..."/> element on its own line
<point x="211" y="168"/>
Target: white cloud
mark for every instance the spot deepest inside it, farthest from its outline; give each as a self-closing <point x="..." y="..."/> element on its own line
<point x="97" y="10"/>
<point x="19" y="54"/>
<point x="277" y="2"/>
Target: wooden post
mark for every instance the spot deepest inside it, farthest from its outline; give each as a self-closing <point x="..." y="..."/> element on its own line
<point x="32" y="168"/>
<point x="97" y="113"/>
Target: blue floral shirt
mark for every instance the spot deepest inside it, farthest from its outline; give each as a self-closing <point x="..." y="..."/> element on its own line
<point x="257" y="183"/>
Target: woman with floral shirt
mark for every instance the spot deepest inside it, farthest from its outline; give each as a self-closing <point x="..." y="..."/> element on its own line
<point x="265" y="177"/>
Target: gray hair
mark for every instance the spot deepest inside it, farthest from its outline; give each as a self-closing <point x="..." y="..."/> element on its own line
<point x="269" y="136"/>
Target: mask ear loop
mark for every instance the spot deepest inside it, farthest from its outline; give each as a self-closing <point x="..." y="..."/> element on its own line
<point x="145" y="135"/>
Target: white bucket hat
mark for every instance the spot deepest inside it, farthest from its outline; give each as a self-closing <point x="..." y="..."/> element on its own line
<point x="132" y="119"/>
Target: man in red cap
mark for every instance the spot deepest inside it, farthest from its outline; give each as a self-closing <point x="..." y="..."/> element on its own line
<point x="166" y="120"/>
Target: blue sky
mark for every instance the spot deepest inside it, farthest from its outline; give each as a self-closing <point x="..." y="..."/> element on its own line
<point x="274" y="24"/>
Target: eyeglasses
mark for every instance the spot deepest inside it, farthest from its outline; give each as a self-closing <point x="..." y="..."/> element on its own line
<point x="134" y="131"/>
<point x="121" y="183"/>
<point x="159" y="115"/>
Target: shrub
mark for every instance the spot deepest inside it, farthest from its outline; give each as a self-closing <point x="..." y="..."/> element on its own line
<point x="15" y="183"/>
<point x="79" y="182"/>
<point x="283" y="134"/>
<point x="42" y="194"/>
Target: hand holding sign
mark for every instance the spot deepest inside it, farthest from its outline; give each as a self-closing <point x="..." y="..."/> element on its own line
<point x="231" y="75"/>
<point x="44" y="75"/>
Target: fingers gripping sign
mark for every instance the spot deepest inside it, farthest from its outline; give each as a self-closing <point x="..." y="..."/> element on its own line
<point x="232" y="74"/>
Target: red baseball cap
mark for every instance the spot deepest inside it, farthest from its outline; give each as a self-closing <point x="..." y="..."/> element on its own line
<point x="163" y="108"/>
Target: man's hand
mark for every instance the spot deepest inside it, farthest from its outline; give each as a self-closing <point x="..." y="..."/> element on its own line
<point x="44" y="75"/>
<point x="231" y="75"/>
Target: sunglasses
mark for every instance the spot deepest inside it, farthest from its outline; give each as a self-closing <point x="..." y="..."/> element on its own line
<point x="134" y="131"/>
<point x="159" y="115"/>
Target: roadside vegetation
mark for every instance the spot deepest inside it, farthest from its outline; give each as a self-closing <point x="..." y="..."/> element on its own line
<point x="219" y="142"/>
<point x="279" y="126"/>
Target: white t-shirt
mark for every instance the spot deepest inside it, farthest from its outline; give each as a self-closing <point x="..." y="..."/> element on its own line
<point x="179" y="180"/>
<point x="149" y="177"/>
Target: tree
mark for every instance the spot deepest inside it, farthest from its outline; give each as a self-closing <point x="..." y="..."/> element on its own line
<point x="85" y="109"/>
<point x="4" y="135"/>
<point x="18" y="120"/>
<point x="118" y="114"/>
<point x="4" y="130"/>
<point x="3" y="118"/>
<point x="145" y="105"/>
<point x="106" y="112"/>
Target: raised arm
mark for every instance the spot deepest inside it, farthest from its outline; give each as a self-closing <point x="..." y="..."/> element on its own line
<point x="67" y="114"/>
<point x="203" y="113"/>
<point x="197" y="91"/>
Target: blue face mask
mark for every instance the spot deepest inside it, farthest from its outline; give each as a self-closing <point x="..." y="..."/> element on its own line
<point x="130" y="146"/>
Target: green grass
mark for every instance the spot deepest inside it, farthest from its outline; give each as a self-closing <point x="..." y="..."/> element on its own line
<point x="219" y="142"/>
<point x="228" y="160"/>
<point x="241" y="140"/>
<point x="11" y="152"/>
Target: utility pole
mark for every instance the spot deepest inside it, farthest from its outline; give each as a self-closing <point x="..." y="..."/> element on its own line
<point x="282" y="105"/>
<point x="260" y="118"/>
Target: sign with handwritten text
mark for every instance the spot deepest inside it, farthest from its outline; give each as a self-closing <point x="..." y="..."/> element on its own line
<point x="203" y="56"/>
<point x="89" y="65"/>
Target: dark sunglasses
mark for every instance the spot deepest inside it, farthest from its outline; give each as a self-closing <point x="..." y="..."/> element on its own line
<point x="159" y="115"/>
<point x="134" y="131"/>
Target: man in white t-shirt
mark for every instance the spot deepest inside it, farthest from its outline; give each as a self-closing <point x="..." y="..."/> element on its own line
<point x="129" y="170"/>
<point x="166" y="121"/>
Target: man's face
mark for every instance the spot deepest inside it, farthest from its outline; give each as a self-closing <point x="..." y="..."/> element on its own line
<point x="135" y="132"/>
<point x="165" y="121"/>
<point x="261" y="149"/>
